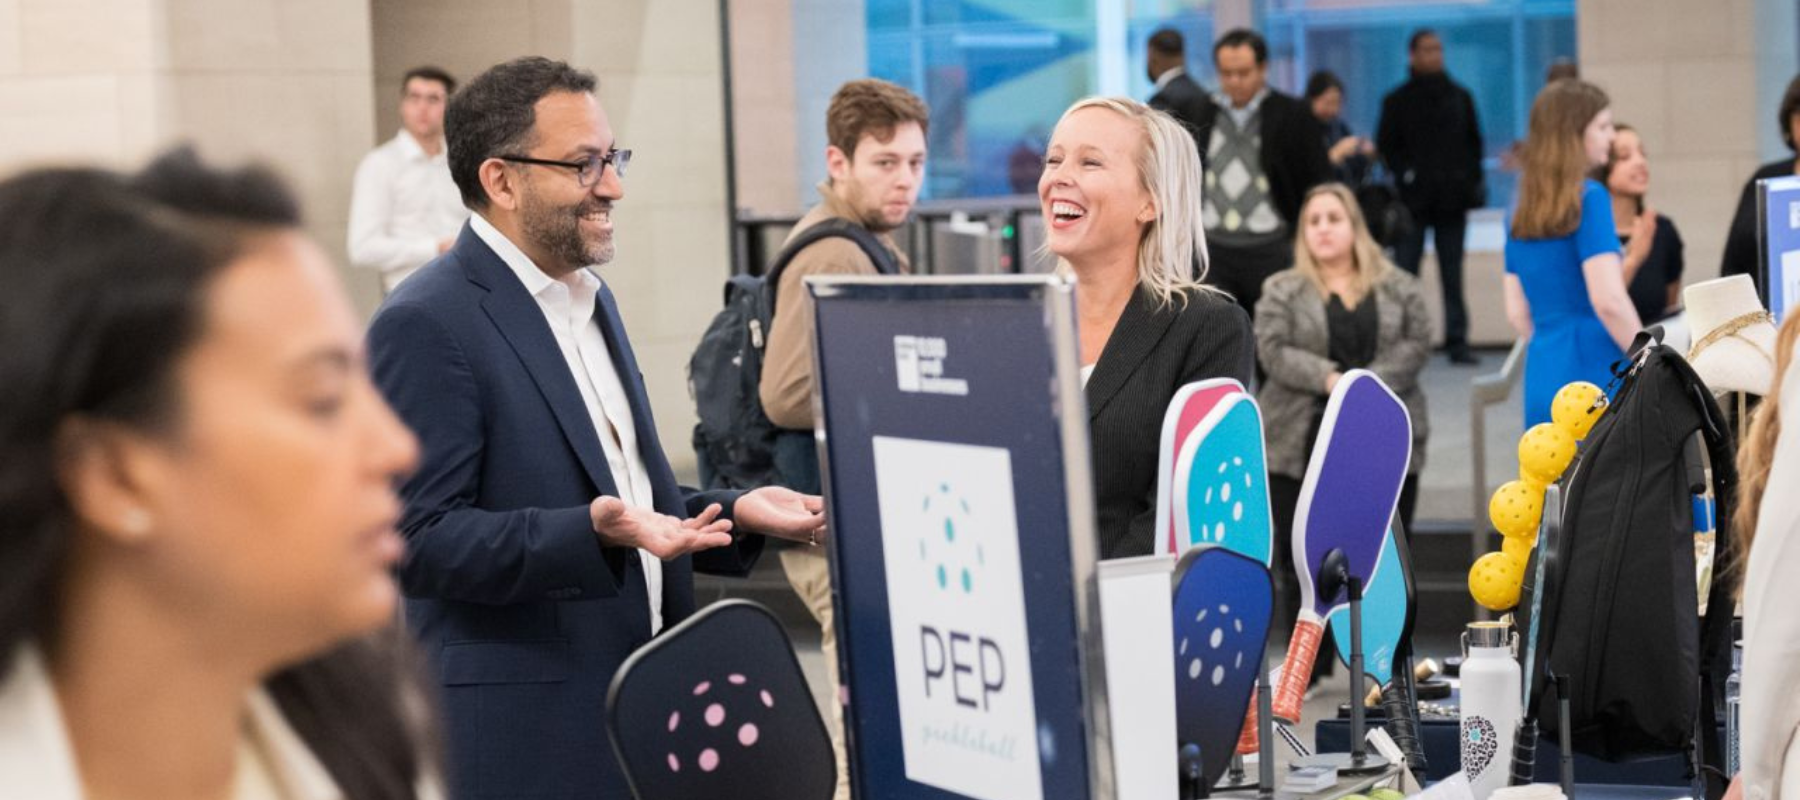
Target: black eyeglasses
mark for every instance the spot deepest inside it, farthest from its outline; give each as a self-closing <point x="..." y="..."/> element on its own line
<point x="588" y="170"/>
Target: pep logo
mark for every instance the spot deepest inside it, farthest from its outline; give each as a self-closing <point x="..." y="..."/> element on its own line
<point x="961" y="665"/>
<point x="717" y="719"/>
<point x="950" y="546"/>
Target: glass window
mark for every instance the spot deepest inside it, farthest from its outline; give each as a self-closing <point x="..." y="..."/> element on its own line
<point x="997" y="73"/>
<point x="1497" y="49"/>
<point x="1193" y="19"/>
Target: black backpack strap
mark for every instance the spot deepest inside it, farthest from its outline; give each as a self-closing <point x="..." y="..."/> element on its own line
<point x="833" y="228"/>
<point x="1715" y="628"/>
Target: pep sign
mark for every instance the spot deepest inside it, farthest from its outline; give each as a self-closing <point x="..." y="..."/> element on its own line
<point x="957" y="613"/>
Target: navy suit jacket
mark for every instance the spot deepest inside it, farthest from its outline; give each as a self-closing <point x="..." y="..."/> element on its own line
<point x="523" y="614"/>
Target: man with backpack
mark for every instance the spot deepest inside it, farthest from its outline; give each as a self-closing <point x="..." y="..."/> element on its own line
<point x="876" y="162"/>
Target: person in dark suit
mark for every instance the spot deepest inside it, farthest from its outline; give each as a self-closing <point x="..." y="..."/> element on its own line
<point x="1740" y="242"/>
<point x="1148" y="327"/>
<point x="546" y="536"/>
<point x="1431" y="139"/>
<point x="1176" y="93"/>
<point x="1263" y="150"/>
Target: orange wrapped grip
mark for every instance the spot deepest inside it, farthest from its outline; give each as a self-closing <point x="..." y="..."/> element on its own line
<point x="1296" y="669"/>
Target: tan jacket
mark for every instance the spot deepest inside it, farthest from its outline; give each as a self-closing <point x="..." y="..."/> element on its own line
<point x="1292" y="339"/>
<point x="787" y="379"/>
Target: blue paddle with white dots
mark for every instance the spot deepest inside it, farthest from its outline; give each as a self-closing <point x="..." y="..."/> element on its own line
<point x="1223" y="601"/>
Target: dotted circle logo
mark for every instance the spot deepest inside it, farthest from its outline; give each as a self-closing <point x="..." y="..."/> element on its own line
<point x="721" y="717"/>
<point x="1225" y="643"/>
<point x="948" y="545"/>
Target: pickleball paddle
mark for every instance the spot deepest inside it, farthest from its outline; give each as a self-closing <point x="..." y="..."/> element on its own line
<point x="1221" y="492"/>
<point x="1543" y="589"/>
<point x="1388" y="610"/>
<point x="1346" y="504"/>
<point x="1186" y="409"/>
<point x="1223" y="602"/>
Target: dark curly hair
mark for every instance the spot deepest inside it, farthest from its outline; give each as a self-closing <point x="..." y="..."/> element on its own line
<point x="494" y="115"/>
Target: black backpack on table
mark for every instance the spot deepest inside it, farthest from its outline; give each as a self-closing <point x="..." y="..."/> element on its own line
<point x="734" y="439"/>
<point x="1644" y="666"/>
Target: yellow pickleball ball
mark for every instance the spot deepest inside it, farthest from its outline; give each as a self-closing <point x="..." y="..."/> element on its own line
<point x="1515" y="508"/>
<point x="1544" y="452"/>
<point x="1495" y="580"/>
<point x="1577" y="407"/>
<point x="1519" y="547"/>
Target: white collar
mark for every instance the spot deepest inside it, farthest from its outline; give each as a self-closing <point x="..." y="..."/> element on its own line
<point x="1256" y="100"/>
<point x="39" y="762"/>
<point x="535" y="280"/>
<point x="411" y="149"/>
<point x="1169" y="75"/>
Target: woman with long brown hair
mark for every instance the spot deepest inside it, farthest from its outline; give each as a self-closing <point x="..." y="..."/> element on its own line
<point x="1565" y="282"/>
<point x="1767" y="524"/>
<point x="1653" y="248"/>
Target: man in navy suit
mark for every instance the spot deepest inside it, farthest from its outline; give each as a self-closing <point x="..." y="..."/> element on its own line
<point x="546" y="536"/>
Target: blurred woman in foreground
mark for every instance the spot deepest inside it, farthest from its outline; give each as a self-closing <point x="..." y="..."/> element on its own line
<point x="196" y="501"/>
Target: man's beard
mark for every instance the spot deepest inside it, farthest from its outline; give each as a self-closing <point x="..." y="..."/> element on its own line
<point x="868" y="216"/>
<point x="557" y="230"/>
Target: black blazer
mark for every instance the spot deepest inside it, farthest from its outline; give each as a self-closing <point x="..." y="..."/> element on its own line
<point x="1153" y="351"/>
<point x="1186" y="102"/>
<point x="1430" y="139"/>
<point x="1740" y="244"/>
<point x="522" y="614"/>
<point x="1293" y="150"/>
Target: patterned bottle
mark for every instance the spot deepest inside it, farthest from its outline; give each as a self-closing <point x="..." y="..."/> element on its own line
<point x="1490" y="705"/>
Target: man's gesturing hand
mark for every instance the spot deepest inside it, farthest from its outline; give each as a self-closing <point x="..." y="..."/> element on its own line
<point x="663" y="536"/>
<point x="782" y="513"/>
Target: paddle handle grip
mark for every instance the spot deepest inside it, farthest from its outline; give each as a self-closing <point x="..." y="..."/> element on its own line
<point x="1524" y="754"/>
<point x="1248" y="742"/>
<point x="1403" y="724"/>
<point x="1296" y="669"/>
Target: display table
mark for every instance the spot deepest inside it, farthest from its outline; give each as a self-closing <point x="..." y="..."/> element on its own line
<point x="1346" y="786"/>
<point x="1443" y="757"/>
<point x="1587" y="791"/>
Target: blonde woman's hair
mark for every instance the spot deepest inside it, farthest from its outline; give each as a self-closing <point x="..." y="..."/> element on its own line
<point x="1554" y="160"/>
<point x="1171" y="254"/>
<point x="1370" y="263"/>
<point x="1758" y="452"/>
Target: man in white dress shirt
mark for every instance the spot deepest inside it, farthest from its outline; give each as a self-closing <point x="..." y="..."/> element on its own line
<point x="546" y="535"/>
<point x="404" y="209"/>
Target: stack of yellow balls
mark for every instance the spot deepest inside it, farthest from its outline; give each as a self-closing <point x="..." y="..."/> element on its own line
<point x="1517" y="506"/>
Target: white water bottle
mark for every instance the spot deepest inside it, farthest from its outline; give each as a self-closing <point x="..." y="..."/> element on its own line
<point x="1490" y="705"/>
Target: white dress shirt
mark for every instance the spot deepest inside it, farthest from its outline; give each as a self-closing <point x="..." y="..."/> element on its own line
<point x="568" y="305"/>
<point x="403" y="204"/>
<point x="1241" y="116"/>
<point x="1771" y="696"/>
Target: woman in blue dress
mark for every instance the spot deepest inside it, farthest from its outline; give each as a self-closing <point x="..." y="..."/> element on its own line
<point x="1565" y="280"/>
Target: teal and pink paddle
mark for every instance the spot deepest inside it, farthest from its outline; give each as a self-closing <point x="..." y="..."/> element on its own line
<point x="1186" y="410"/>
